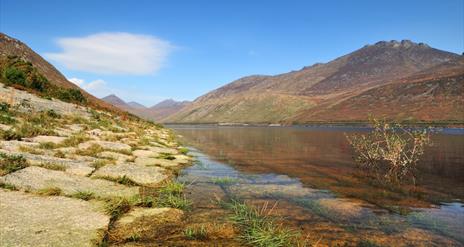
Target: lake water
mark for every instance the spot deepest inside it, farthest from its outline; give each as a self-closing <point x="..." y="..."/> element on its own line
<point x="309" y="172"/>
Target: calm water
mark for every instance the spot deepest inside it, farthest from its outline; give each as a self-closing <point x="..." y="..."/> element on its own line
<point x="310" y="173"/>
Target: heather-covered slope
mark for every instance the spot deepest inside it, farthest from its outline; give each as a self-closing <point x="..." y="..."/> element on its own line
<point x="291" y="96"/>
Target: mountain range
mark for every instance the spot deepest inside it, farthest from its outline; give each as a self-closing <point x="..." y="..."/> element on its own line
<point x="400" y="80"/>
<point x="156" y="113"/>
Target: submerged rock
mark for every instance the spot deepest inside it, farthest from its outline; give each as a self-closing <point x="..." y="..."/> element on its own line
<point x="29" y="220"/>
<point x="36" y="178"/>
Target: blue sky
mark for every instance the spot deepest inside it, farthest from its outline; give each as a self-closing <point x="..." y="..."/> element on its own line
<point x="148" y="51"/>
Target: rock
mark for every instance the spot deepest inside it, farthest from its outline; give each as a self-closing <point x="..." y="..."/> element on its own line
<point x="69" y="130"/>
<point x="182" y="159"/>
<point x="143" y="175"/>
<point x="144" y="223"/>
<point x="143" y="161"/>
<point x="257" y="190"/>
<point x="29" y="220"/>
<point x="117" y="156"/>
<point x="36" y="178"/>
<point x="117" y="146"/>
<point x="5" y="127"/>
<point x="80" y="168"/>
<point x="41" y="139"/>
<point x="144" y="153"/>
<point x="15" y="145"/>
<point x="158" y="150"/>
<point x="17" y="97"/>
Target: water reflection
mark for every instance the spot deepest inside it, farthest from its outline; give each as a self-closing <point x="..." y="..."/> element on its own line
<point x="311" y="173"/>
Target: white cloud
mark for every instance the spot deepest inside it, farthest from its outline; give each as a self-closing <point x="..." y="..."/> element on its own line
<point x="97" y="87"/>
<point x="113" y="53"/>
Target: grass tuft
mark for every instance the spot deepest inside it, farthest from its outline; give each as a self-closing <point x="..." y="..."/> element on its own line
<point x="11" y="163"/>
<point x="196" y="233"/>
<point x="257" y="228"/>
<point x="53" y="166"/>
<point x="116" y="207"/>
<point x="83" y="195"/>
<point x="50" y="191"/>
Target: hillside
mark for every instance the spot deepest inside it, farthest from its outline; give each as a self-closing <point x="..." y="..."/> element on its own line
<point x="12" y="50"/>
<point x="156" y="113"/>
<point x="71" y="172"/>
<point x="297" y="95"/>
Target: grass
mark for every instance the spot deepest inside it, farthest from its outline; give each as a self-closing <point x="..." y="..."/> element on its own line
<point x="171" y="195"/>
<point x="59" y="154"/>
<point x="92" y="151"/>
<point x="50" y="191"/>
<point x="196" y="233"/>
<point x="258" y="228"/>
<point x="166" y="156"/>
<point x="183" y="150"/>
<point x="100" y="163"/>
<point x="53" y="166"/>
<point x="11" y="163"/>
<point x="120" y="180"/>
<point x="30" y="150"/>
<point x="8" y="186"/>
<point x="83" y="195"/>
<point x="116" y="207"/>
<point x="224" y="180"/>
<point x="48" y="145"/>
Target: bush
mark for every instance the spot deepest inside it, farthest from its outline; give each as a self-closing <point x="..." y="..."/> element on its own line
<point x="14" y="76"/>
<point x="390" y="152"/>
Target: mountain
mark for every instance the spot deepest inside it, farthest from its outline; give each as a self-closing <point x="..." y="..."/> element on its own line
<point x="117" y="102"/>
<point x="156" y="113"/>
<point x="11" y="49"/>
<point x="310" y="94"/>
<point x="165" y="109"/>
<point x="136" y="105"/>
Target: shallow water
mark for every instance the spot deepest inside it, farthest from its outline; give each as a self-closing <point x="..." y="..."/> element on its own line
<point x="309" y="172"/>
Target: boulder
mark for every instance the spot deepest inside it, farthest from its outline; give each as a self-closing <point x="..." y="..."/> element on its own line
<point x="36" y="178"/>
<point x="143" y="175"/>
<point x="44" y="139"/>
<point x="29" y="220"/>
<point x="116" y="146"/>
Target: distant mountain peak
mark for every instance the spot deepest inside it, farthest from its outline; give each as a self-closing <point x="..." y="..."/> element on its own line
<point x="405" y="43"/>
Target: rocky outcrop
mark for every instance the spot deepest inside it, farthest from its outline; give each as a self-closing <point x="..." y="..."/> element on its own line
<point x="30" y="220"/>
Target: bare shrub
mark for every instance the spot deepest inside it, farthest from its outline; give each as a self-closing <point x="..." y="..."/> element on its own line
<point x="390" y="152"/>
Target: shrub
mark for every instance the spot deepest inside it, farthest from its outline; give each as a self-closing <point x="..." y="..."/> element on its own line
<point x="14" y="76"/>
<point x="389" y="152"/>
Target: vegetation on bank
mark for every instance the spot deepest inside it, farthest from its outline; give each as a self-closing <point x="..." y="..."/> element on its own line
<point x="390" y="152"/>
<point x="11" y="163"/>
<point x="23" y="75"/>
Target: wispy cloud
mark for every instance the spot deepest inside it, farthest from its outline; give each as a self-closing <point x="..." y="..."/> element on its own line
<point x="97" y="88"/>
<point x="113" y="53"/>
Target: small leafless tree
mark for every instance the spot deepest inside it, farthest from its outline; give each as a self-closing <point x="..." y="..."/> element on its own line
<point x="390" y="151"/>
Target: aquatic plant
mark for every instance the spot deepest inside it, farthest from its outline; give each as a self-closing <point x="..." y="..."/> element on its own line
<point x="196" y="233"/>
<point x="224" y="180"/>
<point x="390" y="152"/>
<point x="258" y="228"/>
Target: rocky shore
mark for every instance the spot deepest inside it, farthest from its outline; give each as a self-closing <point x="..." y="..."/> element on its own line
<point x="74" y="176"/>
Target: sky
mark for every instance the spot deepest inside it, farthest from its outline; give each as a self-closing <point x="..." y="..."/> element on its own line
<point x="148" y="51"/>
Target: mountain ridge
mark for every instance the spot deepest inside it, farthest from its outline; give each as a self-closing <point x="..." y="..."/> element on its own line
<point x="279" y="98"/>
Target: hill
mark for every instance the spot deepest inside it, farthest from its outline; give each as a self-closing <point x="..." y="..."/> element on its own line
<point x="14" y="53"/>
<point x="295" y="97"/>
<point x="157" y="112"/>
